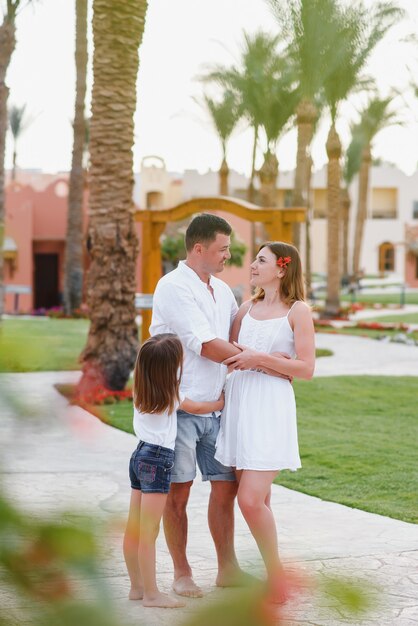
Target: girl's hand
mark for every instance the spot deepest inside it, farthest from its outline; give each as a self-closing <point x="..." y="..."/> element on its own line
<point x="247" y="359"/>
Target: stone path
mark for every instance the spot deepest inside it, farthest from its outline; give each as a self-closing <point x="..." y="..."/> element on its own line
<point x="62" y="458"/>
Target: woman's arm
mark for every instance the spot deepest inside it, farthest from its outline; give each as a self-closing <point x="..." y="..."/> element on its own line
<point x="236" y="325"/>
<point x="196" y="408"/>
<point x="301" y="367"/>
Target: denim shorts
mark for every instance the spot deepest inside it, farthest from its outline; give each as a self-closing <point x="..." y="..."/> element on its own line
<point x="150" y="468"/>
<point x="195" y="442"/>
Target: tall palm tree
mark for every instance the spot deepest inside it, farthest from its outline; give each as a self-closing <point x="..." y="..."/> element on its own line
<point x="17" y="124"/>
<point x="376" y="116"/>
<point x="73" y="269"/>
<point x="307" y="26"/>
<point x="225" y="115"/>
<point x="358" y="30"/>
<point x="112" y="342"/>
<point x="7" y="46"/>
<point x="259" y="61"/>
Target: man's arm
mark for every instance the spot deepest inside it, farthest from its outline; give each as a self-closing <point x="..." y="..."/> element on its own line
<point x="218" y="350"/>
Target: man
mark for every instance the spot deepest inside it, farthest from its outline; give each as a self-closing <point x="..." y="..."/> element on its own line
<point x="200" y="308"/>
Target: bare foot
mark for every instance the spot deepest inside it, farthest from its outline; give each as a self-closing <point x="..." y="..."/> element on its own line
<point x="136" y="594"/>
<point x="186" y="586"/>
<point x="234" y="578"/>
<point x="162" y="601"/>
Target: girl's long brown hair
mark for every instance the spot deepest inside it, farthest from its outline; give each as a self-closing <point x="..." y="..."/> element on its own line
<point x="292" y="287"/>
<point x="157" y="374"/>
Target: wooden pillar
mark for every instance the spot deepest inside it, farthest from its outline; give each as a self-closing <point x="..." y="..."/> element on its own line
<point x="151" y="265"/>
<point x="274" y="228"/>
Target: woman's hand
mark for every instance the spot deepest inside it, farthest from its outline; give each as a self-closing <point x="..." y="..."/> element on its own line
<point x="247" y="359"/>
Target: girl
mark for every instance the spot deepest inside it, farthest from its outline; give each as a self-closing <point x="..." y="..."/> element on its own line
<point x="156" y="395"/>
<point x="258" y="433"/>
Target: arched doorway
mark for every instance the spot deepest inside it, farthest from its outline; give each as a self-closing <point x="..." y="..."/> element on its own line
<point x="277" y="224"/>
<point x="386" y="257"/>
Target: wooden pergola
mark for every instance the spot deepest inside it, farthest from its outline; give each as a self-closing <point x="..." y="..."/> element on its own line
<point x="277" y="223"/>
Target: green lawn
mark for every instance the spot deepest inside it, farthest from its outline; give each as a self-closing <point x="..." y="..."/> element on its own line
<point x="358" y="443"/>
<point x="41" y="344"/>
<point x="366" y="332"/>
<point x="357" y="440"/>
<point x="406" y="318"/>
<point x="380" y="298"/>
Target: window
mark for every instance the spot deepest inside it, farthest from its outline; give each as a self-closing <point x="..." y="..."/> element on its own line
<point x="415" y="209"/>
<point x="386" y="257"/>
<point x="154" y="200"/>
<point x="384" y="202"/>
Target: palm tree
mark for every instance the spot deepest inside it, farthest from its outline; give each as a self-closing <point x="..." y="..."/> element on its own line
<point x="18" y="124"/>
<point x="259" y="62"/>
<point x="109" y="355"/>
<point x="225" y="116"/>
<point x="376" y="116"/>
<point x="7" y="46"/>
<point x="73" y="270"/>
<point x="307" y="26"/>
<point x="276" y="109"/>
<point x="358" y="30"/>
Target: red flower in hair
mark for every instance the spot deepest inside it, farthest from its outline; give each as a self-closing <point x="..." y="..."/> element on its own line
<point x="283" y="261"/>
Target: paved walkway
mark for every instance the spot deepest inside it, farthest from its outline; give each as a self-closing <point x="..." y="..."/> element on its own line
<point x="62" y="458"/>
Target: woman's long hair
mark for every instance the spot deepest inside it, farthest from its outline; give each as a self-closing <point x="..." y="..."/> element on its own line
<point x="292" y="287"/>
<point x="157" y="374"/>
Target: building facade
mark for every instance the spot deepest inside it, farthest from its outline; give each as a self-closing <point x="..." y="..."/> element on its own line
<point x="36" y="218"/>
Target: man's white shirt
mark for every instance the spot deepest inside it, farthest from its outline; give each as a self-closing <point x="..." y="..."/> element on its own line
<point x="184" y="305"/>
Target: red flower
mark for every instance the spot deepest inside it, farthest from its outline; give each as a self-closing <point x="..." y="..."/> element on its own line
<point x="283" y="261"/>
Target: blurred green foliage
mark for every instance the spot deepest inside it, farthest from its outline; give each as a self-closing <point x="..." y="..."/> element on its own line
<point x="173" y="249"/>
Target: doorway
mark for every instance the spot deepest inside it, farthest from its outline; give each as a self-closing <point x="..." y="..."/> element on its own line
<point x="46" y="281"/>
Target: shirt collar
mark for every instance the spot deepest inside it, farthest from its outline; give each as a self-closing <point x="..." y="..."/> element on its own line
<point x="192" y="274"/>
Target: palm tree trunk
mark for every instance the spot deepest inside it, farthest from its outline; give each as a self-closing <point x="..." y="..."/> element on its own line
<point x="332" y="304"/>
<point x="345" y="210"/>
<point x="306" y="114"/>
<point x="223" y="178"/>
<point x="7" y="45"/>
<point x="268" y="174"/>
<point x="308" y="223"/>
<point x="14" y="164"/>
<point x="251" y="190"/>
<point x="112" y="343"/>
<point x="73" y="273"/>
<point x="362" y="207"/>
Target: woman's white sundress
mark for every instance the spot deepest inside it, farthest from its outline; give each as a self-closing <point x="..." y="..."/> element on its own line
<point x="258" y="425"/>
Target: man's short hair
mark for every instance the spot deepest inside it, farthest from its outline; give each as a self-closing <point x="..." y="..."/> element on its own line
<point x="203" y="229"/>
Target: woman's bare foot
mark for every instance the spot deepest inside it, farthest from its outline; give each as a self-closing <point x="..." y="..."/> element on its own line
<point x="136" y="594"/>
<point x="162" y="601"/>
<point x="185" y="586"/>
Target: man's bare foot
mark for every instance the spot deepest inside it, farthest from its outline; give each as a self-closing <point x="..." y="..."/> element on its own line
<point x="162" y="601"/>
<point x="234" y="577"/>
<point x="136" y="594"/>
<point x="185" y="586"/>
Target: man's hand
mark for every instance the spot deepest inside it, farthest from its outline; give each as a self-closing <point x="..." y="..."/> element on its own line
<point x="248" y="359"/>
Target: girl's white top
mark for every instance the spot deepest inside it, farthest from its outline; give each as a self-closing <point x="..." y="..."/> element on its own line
<point x="157" y="428"/>
<point x="258" y="424"/>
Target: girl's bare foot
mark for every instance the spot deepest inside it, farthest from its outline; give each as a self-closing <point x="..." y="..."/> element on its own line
<point x="186" y="586"/>
<point x="136" y="594"/>
<point x="162" y="600"/>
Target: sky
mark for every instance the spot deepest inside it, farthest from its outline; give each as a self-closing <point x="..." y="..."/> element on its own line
<point x="181" y="38"/>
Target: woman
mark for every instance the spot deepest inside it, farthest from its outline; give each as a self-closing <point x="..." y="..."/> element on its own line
<point x="258" y="433"/>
